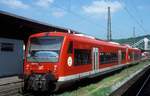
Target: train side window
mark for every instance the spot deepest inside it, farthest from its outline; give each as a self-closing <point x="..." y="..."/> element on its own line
<point x="131" y="55"/>
<point x="70" y="48"/>
<point x="136" y="56"/>
<point x="102" y="57"/>
<point x="106" y="58"/>
<point x="123" y="55"/>
<point x="114" y="57"/>
<point x="82" y="57"/>
<point x="9" y="47"/>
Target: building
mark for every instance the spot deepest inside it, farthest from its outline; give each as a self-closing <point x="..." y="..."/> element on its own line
<point x="11" y="53"/>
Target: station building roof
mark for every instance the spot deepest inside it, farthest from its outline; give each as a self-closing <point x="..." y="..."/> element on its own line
<point x="18" y="27"/>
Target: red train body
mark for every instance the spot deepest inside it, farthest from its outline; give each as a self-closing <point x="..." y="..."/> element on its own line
<point x="54" y="58"/>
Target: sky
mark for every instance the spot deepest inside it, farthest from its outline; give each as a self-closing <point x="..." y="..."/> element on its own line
<point x="87" y="16"/>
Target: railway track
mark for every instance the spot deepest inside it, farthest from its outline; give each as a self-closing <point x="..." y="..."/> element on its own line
<point x="140" y="87"/>
<point x="10" y="89"/>
<point x="143" y="90"/>
<point x="15" y="89"/>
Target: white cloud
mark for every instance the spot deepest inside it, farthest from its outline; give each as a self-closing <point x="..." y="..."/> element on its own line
<point x="58" y="13"/>
<point x="14" y="4"/>
<point x="44" y="3"/>
<point x="100" y="7"/>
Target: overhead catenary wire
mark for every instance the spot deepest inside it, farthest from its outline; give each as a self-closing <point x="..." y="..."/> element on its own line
<point x="102" y="27"/>
<point x="87" y="18"/>
<point x="78" y="15"/>
<point x="133" y="17"/>
<point x="113" y="26"/>
<point x="137" y="11"/>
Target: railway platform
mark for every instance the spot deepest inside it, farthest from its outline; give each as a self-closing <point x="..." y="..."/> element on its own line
<point x="8" y="80"/>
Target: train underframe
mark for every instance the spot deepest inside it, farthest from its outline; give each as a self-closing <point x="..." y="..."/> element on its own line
<point x="39" y="82"/>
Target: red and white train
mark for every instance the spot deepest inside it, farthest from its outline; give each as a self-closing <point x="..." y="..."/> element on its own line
<point x="56" y="58"/>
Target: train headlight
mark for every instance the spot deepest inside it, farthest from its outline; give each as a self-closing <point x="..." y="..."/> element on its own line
<point x="27" y="66"/>
<point x="55" y="68"/>
<point x="41" y="67"/>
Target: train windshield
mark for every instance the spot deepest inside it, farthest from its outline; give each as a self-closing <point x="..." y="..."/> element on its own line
<point x="44" y="49"/>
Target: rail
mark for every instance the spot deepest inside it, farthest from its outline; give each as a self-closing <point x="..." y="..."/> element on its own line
<point x="144" y="84"/>
<point x="124" y="87"/>
<point x="10" y="89"/>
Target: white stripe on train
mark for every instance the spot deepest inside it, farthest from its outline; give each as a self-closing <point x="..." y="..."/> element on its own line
<point x="91" y="73"/>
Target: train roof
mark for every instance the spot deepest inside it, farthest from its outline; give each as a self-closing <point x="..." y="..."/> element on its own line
<point x="80" y="37"/>
<point x="83" y="37"/>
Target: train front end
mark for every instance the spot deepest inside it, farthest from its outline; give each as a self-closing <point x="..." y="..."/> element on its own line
<point x="41" y="62"/>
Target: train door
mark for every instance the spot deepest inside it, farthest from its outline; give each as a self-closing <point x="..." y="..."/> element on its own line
<point x="95" y="59"/>
<point x="127" y="55"/>
<point x="133" y="56"/>
<point x="119" y="57"/>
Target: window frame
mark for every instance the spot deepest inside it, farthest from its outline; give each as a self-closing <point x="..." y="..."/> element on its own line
<point x="108" y="57"/>
<point x="29" y="49"/>
<point x="89" y="57"/>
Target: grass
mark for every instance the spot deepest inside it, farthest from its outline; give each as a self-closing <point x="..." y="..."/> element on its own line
<point x="105" y="86"/>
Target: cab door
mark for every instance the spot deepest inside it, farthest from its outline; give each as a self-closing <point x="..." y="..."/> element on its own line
<point x="95" y="59"/>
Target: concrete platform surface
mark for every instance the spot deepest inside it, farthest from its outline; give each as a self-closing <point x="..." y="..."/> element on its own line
<point x="7" y="80"/>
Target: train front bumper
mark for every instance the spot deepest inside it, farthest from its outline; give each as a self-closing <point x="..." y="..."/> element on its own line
<point x="41" y="82"/>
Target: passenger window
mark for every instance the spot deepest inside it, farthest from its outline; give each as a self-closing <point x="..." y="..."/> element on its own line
<point x="70" y="48"/>
<point x="136" y="56"/>
<point x="131" y="55"/>
<point x="82" y="56"/>
<point x="123" y="55"/>
<point x="106" y="58"/>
